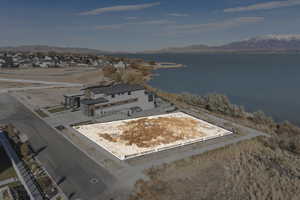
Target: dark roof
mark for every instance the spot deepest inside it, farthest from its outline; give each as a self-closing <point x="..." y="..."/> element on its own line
<point x="74" y="95"/>
<point x="93" y="101"/>
<point x="115" y="89"/>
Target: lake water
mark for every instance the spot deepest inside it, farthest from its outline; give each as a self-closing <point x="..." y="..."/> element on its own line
<point x="270" y="83"/>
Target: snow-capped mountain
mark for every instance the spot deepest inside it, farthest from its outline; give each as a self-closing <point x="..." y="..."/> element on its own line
<point x="265" y="43"/>
<point x="277" y="37"/>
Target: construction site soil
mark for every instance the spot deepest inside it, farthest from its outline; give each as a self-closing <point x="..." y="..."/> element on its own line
<point x="152" y="132"/>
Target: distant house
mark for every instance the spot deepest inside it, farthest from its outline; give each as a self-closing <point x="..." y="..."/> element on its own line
<point x="120" y="65"/>
<point x="102" y="100"/>
<point x="25" y="65"/>
<point x="45" y="64"/>
<point x="47" y="58"/>
<point x="16" y="59"/>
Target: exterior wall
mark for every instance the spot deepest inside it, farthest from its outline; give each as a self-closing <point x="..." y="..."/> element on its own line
<point x="87" y="110"/>
<point x="72" y="102"/>
<point x="96" y="96"/>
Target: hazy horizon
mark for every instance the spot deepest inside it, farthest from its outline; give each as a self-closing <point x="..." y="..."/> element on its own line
<point x="138" y="25"/>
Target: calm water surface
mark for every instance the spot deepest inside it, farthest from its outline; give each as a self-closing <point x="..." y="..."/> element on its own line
<point x="258" y="82"/>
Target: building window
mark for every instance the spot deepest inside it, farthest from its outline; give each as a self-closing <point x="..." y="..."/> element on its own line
<point x="150" y="98"/>
<point x="129" y="93"/>
<point x="116" y="103"/>
<point x="112" y="96"/>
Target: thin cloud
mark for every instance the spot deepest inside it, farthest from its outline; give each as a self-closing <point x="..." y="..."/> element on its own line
<point x="265" y="6"/>
<point x="153" y="22"/>
<point x="119" y="26"/>
<point x="196" y="28"/>
<point x="109" y="27"/>
<point x="131" y="18"/>
<point x="119" y="8"/>
<point x="178" y="14"/>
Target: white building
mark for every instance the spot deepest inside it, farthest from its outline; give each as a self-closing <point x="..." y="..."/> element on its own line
<point x="45" y="64"/>
<point x="48" y="58"/>
<point x="120" y="65"/>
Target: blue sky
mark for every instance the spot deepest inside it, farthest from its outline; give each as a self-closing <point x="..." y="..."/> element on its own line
<point x="134" y="25"/>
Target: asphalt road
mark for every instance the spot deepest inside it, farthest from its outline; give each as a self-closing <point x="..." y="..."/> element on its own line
<point x="40" y="82"/>
<point x="30" y="88"/>
<point x="84" y="178"/>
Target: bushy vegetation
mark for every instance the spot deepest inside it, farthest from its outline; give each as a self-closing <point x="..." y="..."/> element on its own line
<point x="214" y="103"/>
<point x="249" y="170"/>
<point x="286" y="137"/>
<point x="24" y="150"/>
<point x="219" y="104"/>
<point x="135" y="74"/>
<point x="263" y="168"/>
<point x="108" y="71"/>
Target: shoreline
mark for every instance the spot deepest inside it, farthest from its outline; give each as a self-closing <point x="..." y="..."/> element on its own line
<point x="159" y="66"/>
<point x="167" y="65"/>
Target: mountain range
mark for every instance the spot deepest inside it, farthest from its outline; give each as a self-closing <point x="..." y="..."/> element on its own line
<point x="266" y="43"/>
<point x="44" y="49"/>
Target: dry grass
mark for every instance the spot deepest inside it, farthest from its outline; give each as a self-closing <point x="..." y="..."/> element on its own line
<point x="220" y="106"/>
<point x="248" y="170"/>
<point x="152" y="132"/>
<point x="57" y="109"/>
<point x="5" y="85"/>
<point x="72" y="74"/>
<point x="46" y="98"/>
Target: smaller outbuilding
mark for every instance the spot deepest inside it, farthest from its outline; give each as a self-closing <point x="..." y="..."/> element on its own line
<point x="73" y="100"/>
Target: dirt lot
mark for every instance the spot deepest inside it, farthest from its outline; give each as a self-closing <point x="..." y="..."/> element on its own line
<point x="5" y="85"/>
<point x="72" y="75"/>
<point x="153" y="132"/>
<point x="248" y="170"/>
<point x="46" y="97"/>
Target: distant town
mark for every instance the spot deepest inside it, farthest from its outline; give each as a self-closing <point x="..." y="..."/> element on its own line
<point x="45" y="60"/>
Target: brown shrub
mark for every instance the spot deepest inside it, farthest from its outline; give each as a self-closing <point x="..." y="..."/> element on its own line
<point x="108" y="71"/>
<point x="248" y="170"/>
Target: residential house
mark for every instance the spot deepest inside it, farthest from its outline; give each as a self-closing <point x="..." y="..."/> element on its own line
<point x="47" y="58"/>
<point x="2" y="62"/>
<point x="120" y="65"/>
<point x="25" y="65"/>
<point x="103" y="100"/>
<point x="45" y="64"/>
